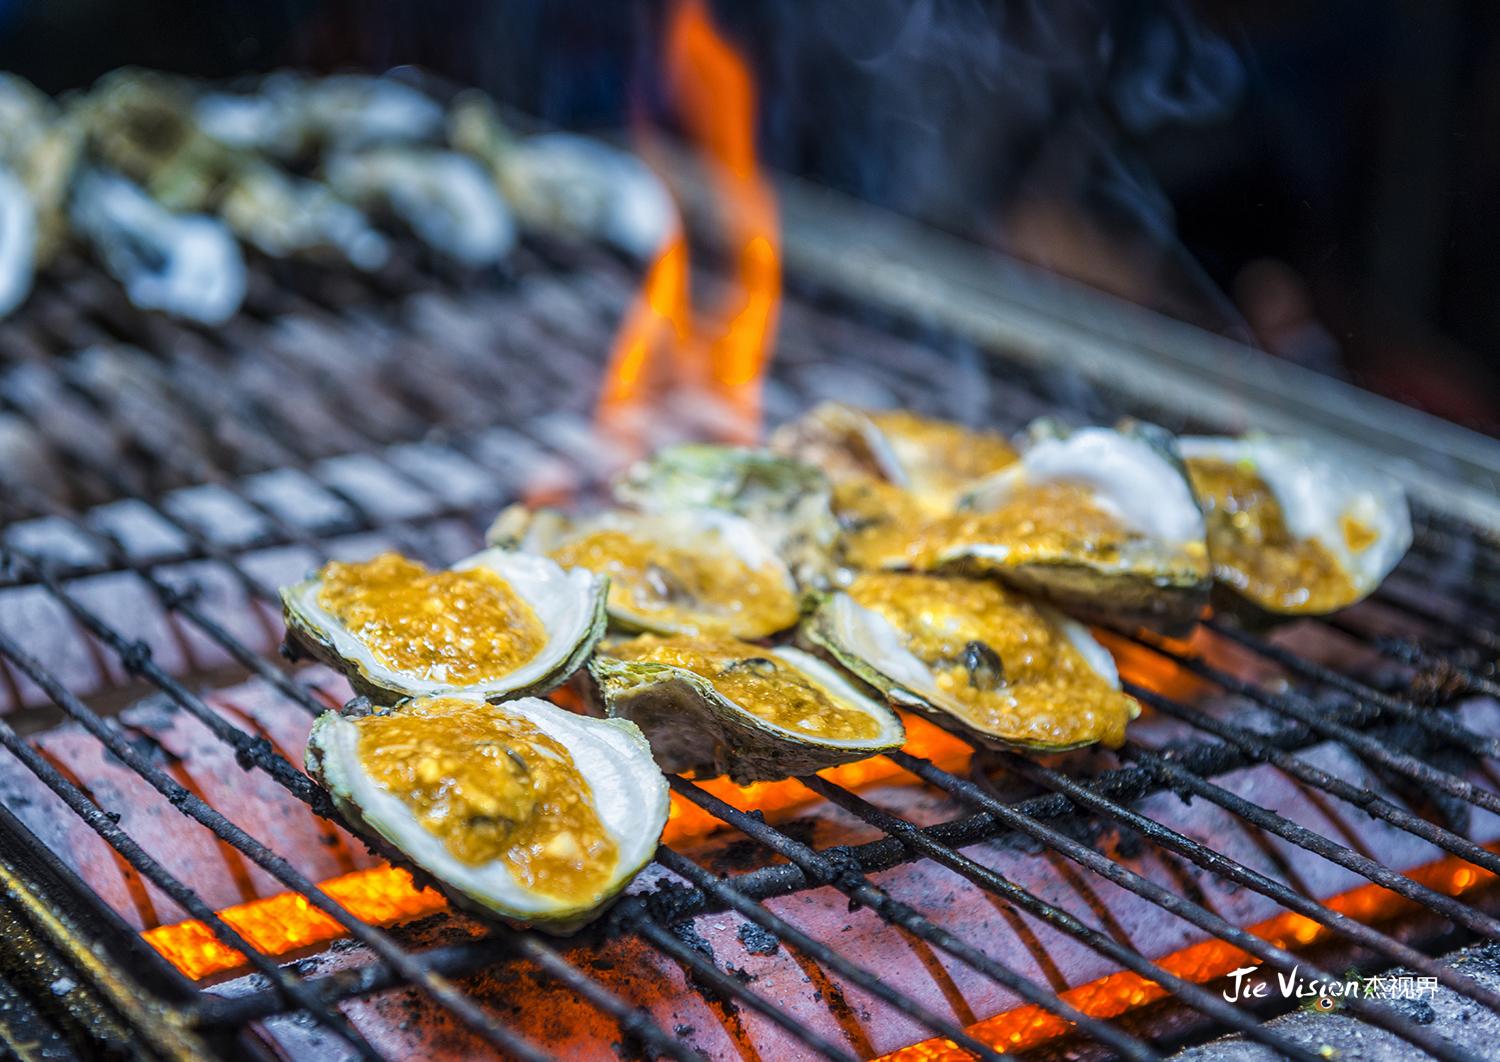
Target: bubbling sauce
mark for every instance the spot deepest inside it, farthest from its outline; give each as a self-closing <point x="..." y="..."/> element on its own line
<point x="1000" y="663"/>
<point x="706" y="591"/>
<point x="463" y="627"/>
<point x="1254" y="552"/>
<point x="759" y="682"/>
<point x="491" y="785"/>
<point x="941" y="458"/>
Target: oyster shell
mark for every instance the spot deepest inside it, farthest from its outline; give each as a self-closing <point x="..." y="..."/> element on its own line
<point x="1100" y="521"/>
<point x="18" y="240"/>
<point x="518" y="624"/>
<point x="184" y="264"/>
<point x="978" y="658"/>
<point x="690" y="571"/>
<point x="936" y="460"/>
<point x="445" y="198"/>
<point x="565" y="184"/>
<point x="1294" y="529"/>
<point x="520" y="810"/>
<point x="40" y="146"/>
<point x="721" y="706"/>
<point x="788" y="501"/>
<point x="892" y="472"/>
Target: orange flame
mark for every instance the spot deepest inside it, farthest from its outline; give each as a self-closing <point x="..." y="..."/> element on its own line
<point x="724" y="356"/>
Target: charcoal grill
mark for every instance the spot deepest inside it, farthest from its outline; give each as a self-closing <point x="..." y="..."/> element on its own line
<point x="1319" y="799"/>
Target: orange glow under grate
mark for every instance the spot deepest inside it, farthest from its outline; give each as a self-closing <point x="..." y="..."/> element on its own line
<point x="285" y="923"/>
<point x="1026" y="1027"/>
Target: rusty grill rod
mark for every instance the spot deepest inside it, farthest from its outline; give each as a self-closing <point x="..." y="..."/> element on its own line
<point x="1202" y="917"/>
<point x="968" y="828"/>
<point x="828" y="868"/>
<point x="288" y="984"/>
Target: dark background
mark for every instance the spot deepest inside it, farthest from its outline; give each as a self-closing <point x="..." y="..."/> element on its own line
<point x="1319" y="177"/>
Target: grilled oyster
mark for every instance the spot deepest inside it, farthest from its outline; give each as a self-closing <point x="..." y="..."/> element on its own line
<point x="495" y="625"/>
<point x="935" y="460"/>
<point x="722" y="706"/>
<point x="520" y="810"/>
<point x="147" y="127"/>
<point x="978" y="658"/>
<point x="788" y="501"/>
<point x="40" y="148"/>
<point x="565" y="184"/>
<point x="1100" y="521"/>
<point x="445" y="198"/>
<point x="691" y="571"/>
<point x="1292" y="529"/>
<point x="892" y="472"/>
<point x="18" y="239"/>
<point x="184" y="264"/>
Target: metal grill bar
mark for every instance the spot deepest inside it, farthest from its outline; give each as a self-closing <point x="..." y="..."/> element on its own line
<point x="1174" y="841"/>
<point x="1205" y="1002"/>
<point x="1200" y="916"/>
<point x="293" y="988"/>
<point x="827" y="868"/>
<point x="405" y="391"/>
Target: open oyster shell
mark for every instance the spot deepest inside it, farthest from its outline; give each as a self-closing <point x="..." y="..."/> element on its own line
<point x="1100" y="521"/>
<point x="979" y="659"/>
<point x="935" y="460"/>
<point x="688" y="571"/>
<point x="1294" y="529"/>
<point x="788" y="501"/>
<point x="568" y="604"/>
<point x="610" y="783"/>
<point x="740" y="709"/>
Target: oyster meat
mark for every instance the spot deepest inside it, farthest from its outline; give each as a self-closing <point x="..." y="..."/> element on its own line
<point x="690" y="571"/>
<point x="1100" y="521"/>
<point x="1293" y="529"/>
<point x="892" y="473"/>
<point x="495" y="625"/>
<point x="788" y="501"/>
<point x="979" y="658"/>
<point x="519" y="810"/>
<point x="723" y="706"/>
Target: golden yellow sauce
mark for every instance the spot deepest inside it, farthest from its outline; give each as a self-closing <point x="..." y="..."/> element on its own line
<point x="1038" y="524"/>
<point x="1255" y="554"/>
<point x="942" y="458"/>
<point x="1002" y="665"/>
<point x="705" y="591"/>
<point x="759" y="682"/>
<point x="460" y="627"/>
<point x="879" y="521"/>
<point x="491" y="785"/>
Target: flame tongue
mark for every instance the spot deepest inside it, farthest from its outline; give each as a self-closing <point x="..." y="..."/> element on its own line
<point x="665" y="358"/>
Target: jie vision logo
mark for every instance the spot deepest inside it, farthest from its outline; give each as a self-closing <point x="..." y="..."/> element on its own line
<point x="1321" y="994"/>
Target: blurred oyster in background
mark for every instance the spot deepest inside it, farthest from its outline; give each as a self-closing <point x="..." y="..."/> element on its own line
<point x="567" y="184"/>
<point x="17" y="242"/>
<point x="38" y="153"/>
<point x="146" y="126"/>
<point x="446" y="199"/>
<point x="290" y="116"/>
<point x="284" y="215"/>
<point x="184" y="264"/>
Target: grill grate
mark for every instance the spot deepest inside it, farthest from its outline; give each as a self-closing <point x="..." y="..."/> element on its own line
<point x="180" y="466"/>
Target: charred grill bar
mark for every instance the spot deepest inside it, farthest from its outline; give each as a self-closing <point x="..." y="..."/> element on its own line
<point x="157" y="488"/>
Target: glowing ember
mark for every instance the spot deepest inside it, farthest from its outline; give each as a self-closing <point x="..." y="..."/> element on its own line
<point x="285" y="923"/>
<point x="1026" y="1027"/>
<point x="722" y="355"/>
